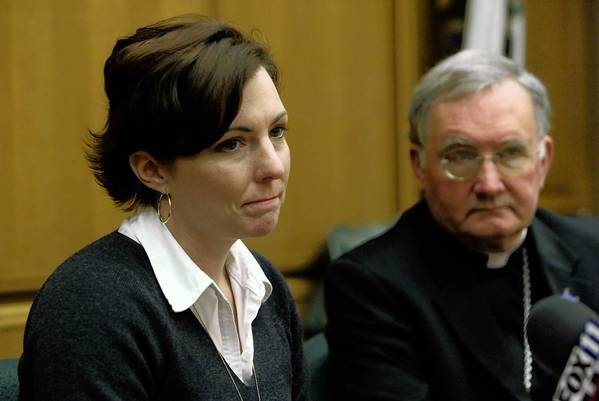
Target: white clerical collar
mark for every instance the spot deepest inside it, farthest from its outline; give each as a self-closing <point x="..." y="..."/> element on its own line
<point x="180" y="279"/>
<point x="497" y="260"/>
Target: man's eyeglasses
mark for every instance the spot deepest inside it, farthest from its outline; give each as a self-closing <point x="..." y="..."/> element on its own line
<point x="462" y="162"/>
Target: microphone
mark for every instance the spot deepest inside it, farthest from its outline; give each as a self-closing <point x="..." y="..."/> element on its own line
<point x="563" y="335"/>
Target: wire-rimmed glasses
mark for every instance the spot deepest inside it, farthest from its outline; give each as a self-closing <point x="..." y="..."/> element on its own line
<point x="461" y="162"/>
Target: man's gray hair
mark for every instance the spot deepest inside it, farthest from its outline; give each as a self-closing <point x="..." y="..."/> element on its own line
<point x="468" y="72"/>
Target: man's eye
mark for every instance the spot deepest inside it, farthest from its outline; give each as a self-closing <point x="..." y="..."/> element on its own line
<point x="278" y="132"/>
<point x="230" y="145"/>
<point x="461" y="155"/>
<point x="513" y="152"/>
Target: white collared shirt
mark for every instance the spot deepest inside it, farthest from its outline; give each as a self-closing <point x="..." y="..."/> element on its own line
<point x="498" y="260"/>
<point x="186" y="286"/>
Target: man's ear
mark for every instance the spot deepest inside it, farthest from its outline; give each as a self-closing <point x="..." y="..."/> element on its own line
<point x="416" y="154"/>
<point x="149" y="171"/>
<point x="547" y="158"/>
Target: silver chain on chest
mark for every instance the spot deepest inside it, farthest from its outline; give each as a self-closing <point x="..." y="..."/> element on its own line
<point x="526" y="300"/>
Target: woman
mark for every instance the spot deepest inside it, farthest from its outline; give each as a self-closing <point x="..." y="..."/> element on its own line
<point x="173" y="306"/>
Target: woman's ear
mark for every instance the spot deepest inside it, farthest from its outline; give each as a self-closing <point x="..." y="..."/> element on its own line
<point x="149" y="171"/>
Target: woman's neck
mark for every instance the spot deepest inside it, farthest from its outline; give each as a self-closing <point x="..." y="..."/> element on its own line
<point x="207" y="253"/>
<point x="210" y="256"/>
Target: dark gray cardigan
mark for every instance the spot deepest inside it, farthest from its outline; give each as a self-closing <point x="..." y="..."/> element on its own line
<point x="101" y="329"/>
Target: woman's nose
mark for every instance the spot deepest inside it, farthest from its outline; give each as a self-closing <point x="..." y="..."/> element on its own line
<point x="269" y="161"/>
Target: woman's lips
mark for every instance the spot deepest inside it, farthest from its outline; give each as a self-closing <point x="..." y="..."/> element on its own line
<point x="264" y="204"/>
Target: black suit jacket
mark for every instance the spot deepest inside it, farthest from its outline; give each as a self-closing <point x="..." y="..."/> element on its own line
<point x="407" y="321"/>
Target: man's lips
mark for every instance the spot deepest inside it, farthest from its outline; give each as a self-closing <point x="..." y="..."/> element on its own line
<point x="488" y="209"/>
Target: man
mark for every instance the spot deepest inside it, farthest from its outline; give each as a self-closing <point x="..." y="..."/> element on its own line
<point x="434" y="309"/>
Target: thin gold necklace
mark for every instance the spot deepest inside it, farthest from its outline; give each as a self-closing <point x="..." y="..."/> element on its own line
<point x="196" y="313"/>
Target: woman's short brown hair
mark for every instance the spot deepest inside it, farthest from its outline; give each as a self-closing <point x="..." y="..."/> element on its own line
<point x="173" y="89"/>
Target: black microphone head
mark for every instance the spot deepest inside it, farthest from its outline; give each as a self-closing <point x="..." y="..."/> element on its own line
<point x="554" y="327"/>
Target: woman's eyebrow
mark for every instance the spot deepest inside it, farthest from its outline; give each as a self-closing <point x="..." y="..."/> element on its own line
<point x="246" y="129"/>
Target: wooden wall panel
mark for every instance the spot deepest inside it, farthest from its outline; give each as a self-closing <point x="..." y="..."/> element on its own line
<point x="412" y="45"/>
<point x="337" y="63"/>
<point x="46" y="125"/>
<point x="338" y="86"/>
<point x="560" y="52"/>
<point x="594" y="35"/>
<point x="348" y="68"/>
<point x="12" y="321"/>
<point x="7" y="140"/>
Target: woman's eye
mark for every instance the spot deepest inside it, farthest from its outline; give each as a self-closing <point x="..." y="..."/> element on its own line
<point x="278" y="132"/>
<point x="230" y="145"/>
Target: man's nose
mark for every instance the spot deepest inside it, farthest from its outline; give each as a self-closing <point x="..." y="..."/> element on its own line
<point x="488" y="180"/>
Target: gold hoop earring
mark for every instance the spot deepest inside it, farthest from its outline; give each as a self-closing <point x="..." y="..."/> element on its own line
<point x="163" y="219"/>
